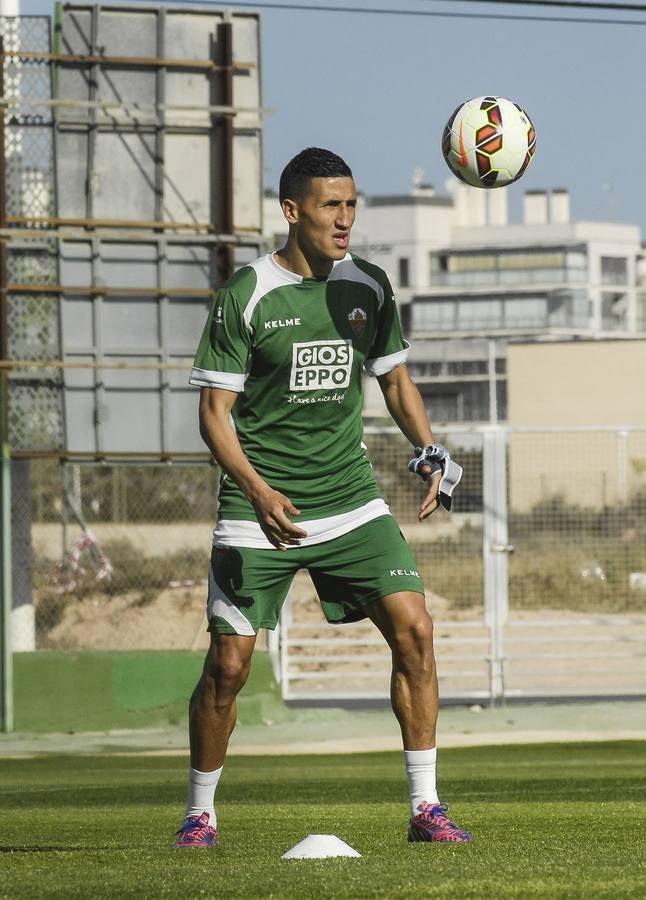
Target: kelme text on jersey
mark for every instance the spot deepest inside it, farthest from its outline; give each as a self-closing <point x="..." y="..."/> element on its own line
<point x="282" y="323"/>
<point x="321" y="365"/>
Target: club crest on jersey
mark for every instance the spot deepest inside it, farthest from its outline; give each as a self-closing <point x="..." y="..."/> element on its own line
<point x="358" y="320"/>
<point x="321" y="365"/>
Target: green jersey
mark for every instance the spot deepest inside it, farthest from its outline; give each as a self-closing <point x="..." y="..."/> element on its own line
<point x="294" y="349"/>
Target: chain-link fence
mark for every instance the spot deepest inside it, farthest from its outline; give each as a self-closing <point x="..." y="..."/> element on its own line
<point x="536" y="581"/>
<point x="96" y="545"/>
<point x="577" y="520"/>
<point x="118" y="554"/>
<point x="115" y="557"/>
<point x="352" y="661"/>
<point x="577" y="576"/>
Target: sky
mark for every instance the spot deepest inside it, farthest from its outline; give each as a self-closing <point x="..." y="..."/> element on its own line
<point x="378" y="89"/>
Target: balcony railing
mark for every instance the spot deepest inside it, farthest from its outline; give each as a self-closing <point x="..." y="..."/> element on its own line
<point x="455" y="320"/>
<point x="501" y="277"/>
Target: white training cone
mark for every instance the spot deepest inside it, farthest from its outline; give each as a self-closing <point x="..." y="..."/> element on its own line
<point x="320" y="846"/>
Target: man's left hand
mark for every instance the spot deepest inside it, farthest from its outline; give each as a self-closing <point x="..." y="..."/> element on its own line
<point x="427" y="463"/>
<point x="430" y="502"/>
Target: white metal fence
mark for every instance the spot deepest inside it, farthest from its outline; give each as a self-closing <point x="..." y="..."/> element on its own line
<point x="536" y="581"/>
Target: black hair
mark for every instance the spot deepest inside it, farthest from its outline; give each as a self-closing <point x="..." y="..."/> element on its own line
<point x="313" y="162"/>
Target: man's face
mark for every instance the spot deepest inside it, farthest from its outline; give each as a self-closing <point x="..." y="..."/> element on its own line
<point x="323" y="218"/>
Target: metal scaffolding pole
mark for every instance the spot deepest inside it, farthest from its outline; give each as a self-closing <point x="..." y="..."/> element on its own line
<point x="6" y="653"/>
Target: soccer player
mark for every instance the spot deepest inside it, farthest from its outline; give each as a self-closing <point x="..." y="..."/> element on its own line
<point x="282" y="355"/>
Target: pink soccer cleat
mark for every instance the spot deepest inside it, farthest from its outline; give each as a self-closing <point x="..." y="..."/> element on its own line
<point x="432" y="824"/>
<point x="196" y="832"/>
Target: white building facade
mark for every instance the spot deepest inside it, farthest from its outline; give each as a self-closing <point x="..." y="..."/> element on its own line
<point x="468" y="281"/>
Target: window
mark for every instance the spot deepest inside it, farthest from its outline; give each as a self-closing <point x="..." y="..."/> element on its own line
<point x="576" y="261"/>
<point x="532" y="260"/>
<point x="526" y="312"/>
<point x="444" y="405"/>
<point x="425" y="369"/>
<point x="404" y="275"/>
<point x="613" y="311"/>
<point x="614" y="270"/>
<point x="472" y="263"/>
<point x="641" y="312"/>
<point x="480" y="313"/>
<point x="468" y="367"/>
<point x="431" y="315"/>
<point x="439" y="263"/>
<point x="520" y="266"/>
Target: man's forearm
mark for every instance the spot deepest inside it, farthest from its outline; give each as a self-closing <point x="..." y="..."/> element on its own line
<point x="221" y="439"/>
<point x="407" y="408"/>
<point x="272" y="508"/>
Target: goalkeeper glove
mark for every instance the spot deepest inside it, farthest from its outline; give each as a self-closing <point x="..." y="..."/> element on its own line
<point x="437" y="457"/>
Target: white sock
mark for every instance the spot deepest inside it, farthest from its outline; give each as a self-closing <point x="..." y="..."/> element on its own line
<point x="420" y="768"/>
<point x="201" y="793"/>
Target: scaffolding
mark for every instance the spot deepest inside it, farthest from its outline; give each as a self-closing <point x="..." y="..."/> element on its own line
<point x="130" y="189"/>
<point x="130" y="180"/>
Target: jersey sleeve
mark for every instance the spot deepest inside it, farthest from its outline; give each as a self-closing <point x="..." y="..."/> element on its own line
<point x="222" y="358"/>
<point x="389" y="349"/>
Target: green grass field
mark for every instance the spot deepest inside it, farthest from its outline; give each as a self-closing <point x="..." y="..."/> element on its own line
<point x="549" y="821"/>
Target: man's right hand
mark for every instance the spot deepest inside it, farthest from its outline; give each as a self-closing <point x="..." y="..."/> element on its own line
<point x="272" y="509"/>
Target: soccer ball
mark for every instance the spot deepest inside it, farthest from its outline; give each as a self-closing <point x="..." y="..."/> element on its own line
<point x="488" y="142"/>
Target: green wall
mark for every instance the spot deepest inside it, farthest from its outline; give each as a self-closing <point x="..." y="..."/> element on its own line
<point x="67" y="690"/>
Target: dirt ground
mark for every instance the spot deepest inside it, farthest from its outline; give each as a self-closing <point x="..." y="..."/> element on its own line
<point x="174" y="620"/>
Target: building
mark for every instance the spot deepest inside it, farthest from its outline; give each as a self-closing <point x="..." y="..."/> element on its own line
<point x="469" y="281"/>
<point x="584" y="385"/>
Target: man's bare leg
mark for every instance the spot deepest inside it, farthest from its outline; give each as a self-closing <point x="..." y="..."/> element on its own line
<point x="212" y="718"/>
<point x="212" y="712"/>
<point x="404" y="621"/>
<point x="408" y="628"/>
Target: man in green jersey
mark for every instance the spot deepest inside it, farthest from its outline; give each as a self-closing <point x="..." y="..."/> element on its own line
<point x="282" y="355"/>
